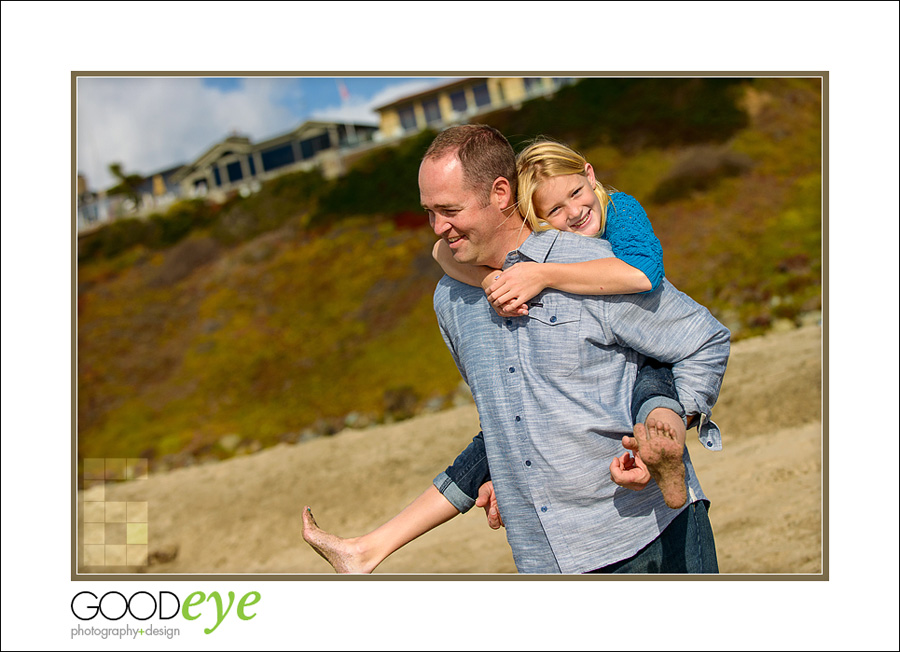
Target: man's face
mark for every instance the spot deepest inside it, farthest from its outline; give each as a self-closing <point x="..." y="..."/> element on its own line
<point x="457" y="214"/>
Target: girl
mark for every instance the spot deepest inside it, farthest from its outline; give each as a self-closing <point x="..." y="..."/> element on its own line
<point x="556" y="189"/>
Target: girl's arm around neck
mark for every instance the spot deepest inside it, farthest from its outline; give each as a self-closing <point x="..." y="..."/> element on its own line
<point x="602" y="276"/>
<point x="478" y="276"/>
<point x="524" y="281"/>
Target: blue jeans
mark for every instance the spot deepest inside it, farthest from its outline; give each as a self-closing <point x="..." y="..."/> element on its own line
<point x="654" y="387"/>
<point x="685" y="546"/>
<point x="460" y="482"/>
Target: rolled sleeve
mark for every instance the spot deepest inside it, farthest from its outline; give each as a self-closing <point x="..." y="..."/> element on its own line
<point x="453" y="493"/>
<point x="658" y="402"/>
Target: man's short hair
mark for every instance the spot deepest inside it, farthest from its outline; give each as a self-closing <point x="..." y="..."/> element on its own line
<point x="484" y="153"/>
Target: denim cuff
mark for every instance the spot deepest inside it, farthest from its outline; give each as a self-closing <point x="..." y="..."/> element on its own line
<point x="454" y="494"/>
<point x="659" y="402"/>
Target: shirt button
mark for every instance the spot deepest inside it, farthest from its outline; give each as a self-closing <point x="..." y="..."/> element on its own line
<point x="553" y="319"/>
<point x="544" y="508"/>
<point x="509" y="322"/>
<point x="527" y="462"/>
<point x="709" y="443"/>
<point x="518" y="419"/>
<point x="512" y="370"/>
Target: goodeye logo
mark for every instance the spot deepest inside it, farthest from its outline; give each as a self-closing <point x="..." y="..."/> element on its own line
<point x="143" y="606"/>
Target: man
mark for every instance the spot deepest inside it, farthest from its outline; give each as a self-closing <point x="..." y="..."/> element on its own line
<point x="553" y="389"/>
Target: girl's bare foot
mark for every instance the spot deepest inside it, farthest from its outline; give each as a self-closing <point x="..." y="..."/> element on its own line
<point x="661" y="451"/>
<point x="346" y="555"/>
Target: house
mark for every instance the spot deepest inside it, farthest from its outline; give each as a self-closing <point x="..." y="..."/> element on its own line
<point x="92" y="212"/>
<point x="237" y="164"/>
<point x="459" y="101"/>
<point x="157" y="191"/>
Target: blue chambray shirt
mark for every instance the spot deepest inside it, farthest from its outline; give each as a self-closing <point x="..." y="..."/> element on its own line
<point x="553" y="392"/>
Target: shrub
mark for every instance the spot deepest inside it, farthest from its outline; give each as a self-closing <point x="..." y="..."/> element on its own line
<point x="112" y="239"/>
<point x="157" y="231"/>
<point x="630" y="113"/>
<point x="184" y="258"/>
<point x="280" y="199"/>
<point x="382" y="183"/>
<point x="699" y="169"/>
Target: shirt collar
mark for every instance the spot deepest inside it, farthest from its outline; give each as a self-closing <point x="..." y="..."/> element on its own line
<point x="536" y="247"/>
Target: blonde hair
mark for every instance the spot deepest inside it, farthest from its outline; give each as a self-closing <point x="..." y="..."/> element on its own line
<point x="545" y="159"/>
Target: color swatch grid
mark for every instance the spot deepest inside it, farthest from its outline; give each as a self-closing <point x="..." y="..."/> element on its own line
<point x="115" y="533"/>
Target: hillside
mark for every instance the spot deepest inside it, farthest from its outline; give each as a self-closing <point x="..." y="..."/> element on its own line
<point x="212" y="332"/>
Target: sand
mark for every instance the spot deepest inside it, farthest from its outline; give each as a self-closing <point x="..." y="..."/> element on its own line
<point x="242" y="515"/>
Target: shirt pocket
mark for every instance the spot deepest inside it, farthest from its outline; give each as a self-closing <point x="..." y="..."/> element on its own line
<point x="553" y="332"/>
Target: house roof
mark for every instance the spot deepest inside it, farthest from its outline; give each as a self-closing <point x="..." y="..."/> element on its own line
<point x="244" y="144"/>
<point x="168" y="172"/>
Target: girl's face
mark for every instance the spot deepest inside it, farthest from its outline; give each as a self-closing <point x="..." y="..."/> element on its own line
<point x="568" y="202"/>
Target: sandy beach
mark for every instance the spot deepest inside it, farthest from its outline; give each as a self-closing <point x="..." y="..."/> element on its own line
<point x="242" y="515"/>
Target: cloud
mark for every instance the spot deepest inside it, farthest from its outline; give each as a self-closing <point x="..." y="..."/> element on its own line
<point x="152" y="123"/>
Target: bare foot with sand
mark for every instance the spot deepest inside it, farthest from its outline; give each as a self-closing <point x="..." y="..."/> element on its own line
<point x="346" y="555"/>
<point x="661" y="450"/>
<point x="363" y="554"/>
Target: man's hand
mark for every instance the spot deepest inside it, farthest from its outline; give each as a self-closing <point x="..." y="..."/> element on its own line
<point x="629" y="471"/>
<point x="488" y="500"/>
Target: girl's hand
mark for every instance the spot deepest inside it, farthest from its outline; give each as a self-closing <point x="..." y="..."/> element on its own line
<point x="486" y="283"/>
<point x="510" y="290"/>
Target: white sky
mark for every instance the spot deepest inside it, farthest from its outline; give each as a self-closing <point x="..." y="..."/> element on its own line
<point x="154" y="123"/>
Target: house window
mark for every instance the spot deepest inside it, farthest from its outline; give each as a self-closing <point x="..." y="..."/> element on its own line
<point x="311" y="146"/>
<point x="234" y="171"/>
<point x="482" y="95"/>
<point x="277" y="157"/>
<point x="217" y="176"/>
<point x="533" y="84"/>
<point x="407" y="118"/>
<point x="364" y="133"/>
<point x="458" y="101"/>
<point x="252" y="165"/>
<point x="432" y="111"/>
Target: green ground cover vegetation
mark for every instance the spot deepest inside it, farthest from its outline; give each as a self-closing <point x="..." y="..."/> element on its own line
<point x="210" y="330"/>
